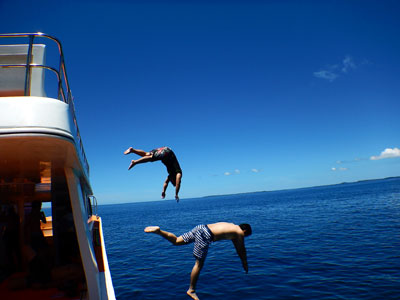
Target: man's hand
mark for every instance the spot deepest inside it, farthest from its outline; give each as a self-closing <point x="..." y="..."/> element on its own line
<point x="177" y="198"/>
<point x="162" y="195"/>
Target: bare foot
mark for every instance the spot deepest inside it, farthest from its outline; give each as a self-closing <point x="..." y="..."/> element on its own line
<point x="192" y="294"/>
<point x="129" y="150"/>
<point x="152" y="229"/>
<point x="131" y="165"/>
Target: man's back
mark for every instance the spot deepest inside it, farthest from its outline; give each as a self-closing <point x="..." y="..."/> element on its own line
<point x="225" y="231"/>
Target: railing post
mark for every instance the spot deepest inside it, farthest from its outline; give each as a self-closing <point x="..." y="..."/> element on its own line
<point x="27" y="89"/>
<point x="60" y="87"/>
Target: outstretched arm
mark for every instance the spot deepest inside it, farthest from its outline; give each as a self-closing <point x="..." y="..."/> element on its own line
<point x="241" y="251"/>
<point x="164" y="188"/>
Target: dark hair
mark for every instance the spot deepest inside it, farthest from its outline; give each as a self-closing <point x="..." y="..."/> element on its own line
<point x="246" y="228"/>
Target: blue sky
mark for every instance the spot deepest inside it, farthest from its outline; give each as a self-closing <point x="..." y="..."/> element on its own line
<point x="251" y="95"/>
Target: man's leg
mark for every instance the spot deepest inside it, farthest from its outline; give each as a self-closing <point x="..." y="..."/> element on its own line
<point x="141" y="160"/>
<point x="172" y="238"/>
<point x="165" y="185"/>
<point x="194" y="276"/>
<point x="136" y="151"/>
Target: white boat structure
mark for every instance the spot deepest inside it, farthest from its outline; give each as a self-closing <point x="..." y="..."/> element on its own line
<point x="42" y="161"/>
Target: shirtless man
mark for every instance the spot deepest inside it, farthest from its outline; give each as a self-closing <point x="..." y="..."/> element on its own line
<point x="203" y="236"/>
<point x="168" y="158"/>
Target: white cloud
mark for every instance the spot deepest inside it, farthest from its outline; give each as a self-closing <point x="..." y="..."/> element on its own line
<point x="235" y="172"/>
<point x="330" y="72"/>
<point x="348" y="64"/>
<point x="387" y="153"/>
<point x="339" y="169"/>
<point x="325" y="74"/>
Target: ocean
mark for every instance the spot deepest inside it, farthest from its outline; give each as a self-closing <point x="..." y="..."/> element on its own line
<point x="330" y="242"/>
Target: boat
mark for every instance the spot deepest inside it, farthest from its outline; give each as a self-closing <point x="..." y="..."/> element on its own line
<point x="51" y="237"/>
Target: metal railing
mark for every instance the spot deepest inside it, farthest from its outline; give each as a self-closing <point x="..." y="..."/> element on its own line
<point x="93" y="205"/>
<point x="63" y="89"/>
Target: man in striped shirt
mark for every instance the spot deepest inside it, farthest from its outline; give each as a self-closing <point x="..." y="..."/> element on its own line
<point x="202" y="236"/>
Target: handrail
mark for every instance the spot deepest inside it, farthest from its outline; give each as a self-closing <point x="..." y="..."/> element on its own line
<point x="93" y="204"/>
<point x="61" y="74"/>
<point x="27" y="89"/>
<point x="60" y="91"/>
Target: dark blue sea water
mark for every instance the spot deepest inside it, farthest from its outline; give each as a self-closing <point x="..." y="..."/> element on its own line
<point x="332" y="242"/>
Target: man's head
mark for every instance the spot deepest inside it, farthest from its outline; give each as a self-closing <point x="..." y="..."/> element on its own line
<point x="246" y="229"/>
